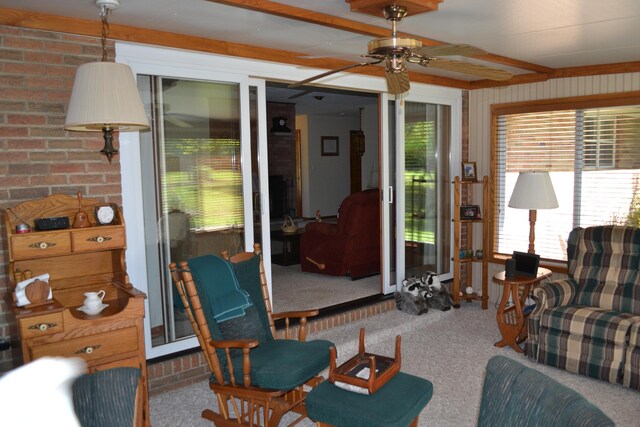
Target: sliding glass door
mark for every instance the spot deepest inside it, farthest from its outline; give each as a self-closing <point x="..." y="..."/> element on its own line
<point x="417" y="212"/>
<point x="202" y="185"/>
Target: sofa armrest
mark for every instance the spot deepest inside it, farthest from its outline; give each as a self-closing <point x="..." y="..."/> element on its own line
<point x="554" y="294"/>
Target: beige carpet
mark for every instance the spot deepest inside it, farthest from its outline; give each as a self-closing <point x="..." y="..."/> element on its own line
<point x="451" y="349"/>
<point x="295" y="290"/>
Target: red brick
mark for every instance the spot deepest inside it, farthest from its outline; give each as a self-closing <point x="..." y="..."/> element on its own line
<point x="11" y="131"/>
<point x="14" y="157"/>
<point x="4" y="29"/>
<point x="47" y="107"/>
<point x="23" y="43"/>
<point x="67" y="168"/>
<point x="24" y="119"/>
<point x="86" y="179"/>
<point x="61" y="71"/>
<point x="28" y="193"/>
<point x="48" y="180"/>
<point x="9" y="106"/>
<point x="11" y="55"/>
<point x="14" y="181"/>
<point x="23" y="94"/>
<point x="48" y="156"/>
<point x="22" y="68"/>
<point x="42" y="57"/>
<point x="48" y="82"/>
<point x="62" y="47"/>
<point x="11" y="81"/>
<point x="49" y="132"/>
<point x="26" y="144"/>
<point x="72" y="145"/>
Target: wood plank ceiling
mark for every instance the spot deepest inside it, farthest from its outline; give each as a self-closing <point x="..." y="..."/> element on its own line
<point x="536" y="73"/>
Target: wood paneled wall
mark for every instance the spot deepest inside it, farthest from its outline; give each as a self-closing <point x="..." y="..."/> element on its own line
<point x="480" y="102"/>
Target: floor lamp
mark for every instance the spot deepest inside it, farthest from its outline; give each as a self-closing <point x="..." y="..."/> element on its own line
<point x="533" y="191"/>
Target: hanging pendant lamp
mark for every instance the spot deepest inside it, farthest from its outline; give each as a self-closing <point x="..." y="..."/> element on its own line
<point x="105" y="95"/>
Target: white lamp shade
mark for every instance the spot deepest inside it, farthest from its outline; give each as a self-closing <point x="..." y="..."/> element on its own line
<point x="533" y="190"/>
<point x="105" y="95"/>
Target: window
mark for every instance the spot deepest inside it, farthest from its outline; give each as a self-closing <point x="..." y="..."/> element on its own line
<point x="591" y="148"/>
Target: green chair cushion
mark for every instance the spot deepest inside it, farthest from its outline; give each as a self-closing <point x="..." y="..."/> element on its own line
<point x="285" y="364"/>
<point x="396" y="404"/>
<point x="516" y="395"/>
<point x="106" y="398"/>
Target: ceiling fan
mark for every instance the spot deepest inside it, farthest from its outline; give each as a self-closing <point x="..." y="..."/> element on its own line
<point x="396" y="52"/>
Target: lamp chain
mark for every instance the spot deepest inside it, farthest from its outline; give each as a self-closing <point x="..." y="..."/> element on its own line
<point x="104" y="14"/>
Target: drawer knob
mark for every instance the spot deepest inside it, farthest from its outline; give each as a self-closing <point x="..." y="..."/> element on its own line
<point x="99" y="239"/>
<point x="43" y="326"/>
<point x="88" y="349"/>
<point x="41" y="245"/>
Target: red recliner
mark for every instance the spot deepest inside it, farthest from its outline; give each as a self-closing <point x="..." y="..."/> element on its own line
<point x="350" y="247"/>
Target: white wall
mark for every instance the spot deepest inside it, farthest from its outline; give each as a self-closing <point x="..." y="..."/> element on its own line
<point x="370" y="159"/>
<point x="328" y="175"/>
<point x="480" y="102"/>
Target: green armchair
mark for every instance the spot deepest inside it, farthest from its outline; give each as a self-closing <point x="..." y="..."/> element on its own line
<point x="589" y="322"/>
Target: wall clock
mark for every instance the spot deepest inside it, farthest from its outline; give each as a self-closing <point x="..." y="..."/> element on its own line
<point x="106" y="214"/>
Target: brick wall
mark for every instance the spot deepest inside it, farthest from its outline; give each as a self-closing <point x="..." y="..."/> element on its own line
<point x="37" y="156"/>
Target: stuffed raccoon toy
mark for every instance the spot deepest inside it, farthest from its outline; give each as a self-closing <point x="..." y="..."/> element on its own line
<point x="410" y="298"/>
<point x="437" y="296"/>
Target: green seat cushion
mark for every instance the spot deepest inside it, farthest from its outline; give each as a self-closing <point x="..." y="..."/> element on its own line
<point x="106" y="398"/>
<point x="285" y="364"/>
<point x="396" y="404"/>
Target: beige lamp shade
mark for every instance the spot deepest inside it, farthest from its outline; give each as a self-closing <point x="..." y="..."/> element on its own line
<point x="533" y="190"/>
<point x="105" y="95"/>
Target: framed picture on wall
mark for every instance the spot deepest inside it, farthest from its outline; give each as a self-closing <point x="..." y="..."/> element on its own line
<point x="469" y="171"/>
<point x="330" y="145"/>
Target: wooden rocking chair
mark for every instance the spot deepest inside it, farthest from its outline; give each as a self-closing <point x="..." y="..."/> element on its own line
<point x="261" y="378"/>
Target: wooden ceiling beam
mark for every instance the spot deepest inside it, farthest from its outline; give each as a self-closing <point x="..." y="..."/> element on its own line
<point x="39" y="21"/>
<point x="305" y="15"/>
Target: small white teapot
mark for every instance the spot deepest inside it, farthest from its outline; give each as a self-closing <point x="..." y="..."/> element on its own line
<point x="93" y="300"/>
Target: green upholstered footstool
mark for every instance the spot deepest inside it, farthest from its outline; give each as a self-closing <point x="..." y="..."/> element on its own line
<point x="397" y="404"/>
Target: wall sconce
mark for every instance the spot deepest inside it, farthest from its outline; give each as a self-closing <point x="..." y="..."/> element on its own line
<point x="105" y="95"/>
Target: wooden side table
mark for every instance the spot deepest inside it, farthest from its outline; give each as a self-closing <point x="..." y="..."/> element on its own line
<point x="290" y="247"/>
<point x="511" y="319"/>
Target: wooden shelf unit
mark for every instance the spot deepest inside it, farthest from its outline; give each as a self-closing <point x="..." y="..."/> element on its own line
<point x="78" y="260"/>
<point x="459" y="293"/>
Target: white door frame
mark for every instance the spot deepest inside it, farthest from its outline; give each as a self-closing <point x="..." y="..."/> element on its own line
<point x="144" y="59"/>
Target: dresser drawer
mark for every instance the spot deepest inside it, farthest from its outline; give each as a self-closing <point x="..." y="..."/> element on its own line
<point x="97" y="346"/>
<point x="98" y="239"/>
<point x="41" y="325"/>
<point x="40" y="245"/>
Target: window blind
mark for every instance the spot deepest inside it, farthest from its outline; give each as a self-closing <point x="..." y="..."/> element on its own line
<point x="204" y="177"/>
<point x="593" y="157"/>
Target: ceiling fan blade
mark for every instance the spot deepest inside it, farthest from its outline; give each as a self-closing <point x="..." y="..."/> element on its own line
<point x="448" y="50"/>
<point x="397" y="82"/>
<point x="468" y="68"/>
<point x="328" y="73"/>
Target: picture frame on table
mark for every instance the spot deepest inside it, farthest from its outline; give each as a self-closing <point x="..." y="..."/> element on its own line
<point x="469" y="171"/>
<point x="470" y="212"/>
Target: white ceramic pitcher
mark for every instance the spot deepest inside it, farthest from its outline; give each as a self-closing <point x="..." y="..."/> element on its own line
<point x="93" y="300"/>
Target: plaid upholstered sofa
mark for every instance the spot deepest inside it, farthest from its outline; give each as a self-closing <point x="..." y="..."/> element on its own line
<point x="589" y="323"/>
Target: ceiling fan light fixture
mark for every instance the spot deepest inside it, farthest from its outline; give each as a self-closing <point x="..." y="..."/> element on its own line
<point x="396" y="51"/>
